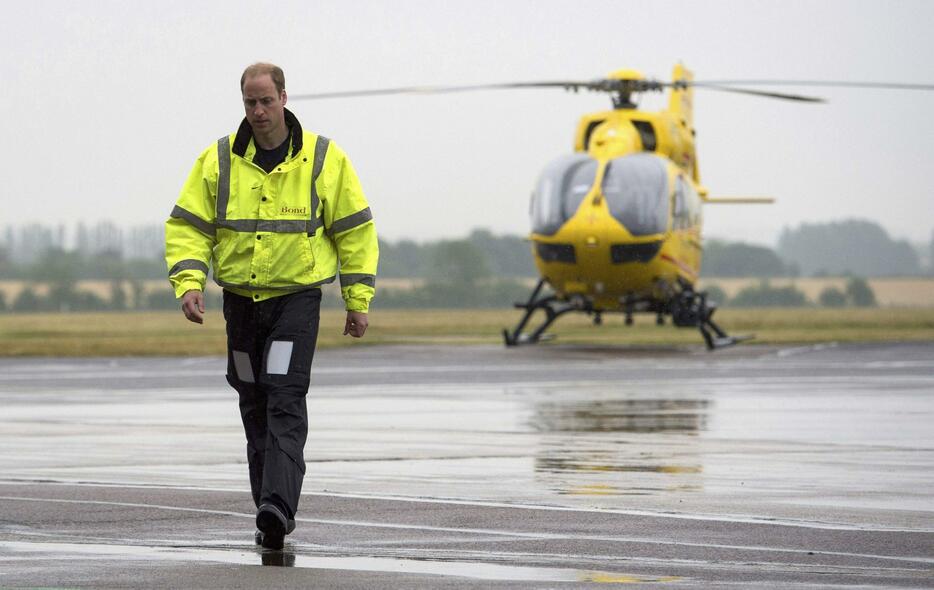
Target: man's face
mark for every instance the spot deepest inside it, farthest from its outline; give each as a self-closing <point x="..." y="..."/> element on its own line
<point x="264" y="106"/>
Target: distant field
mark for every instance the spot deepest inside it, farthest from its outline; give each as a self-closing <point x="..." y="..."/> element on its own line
<point x="895" y="292"/>
<point x="169" y="334"/>
<point x="890" y="291"/>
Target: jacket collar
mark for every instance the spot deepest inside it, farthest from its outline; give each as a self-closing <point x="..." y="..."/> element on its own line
<point x="245" y="134"/>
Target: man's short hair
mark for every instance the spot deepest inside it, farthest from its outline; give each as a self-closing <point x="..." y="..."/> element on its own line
<point x="260" y="68"/>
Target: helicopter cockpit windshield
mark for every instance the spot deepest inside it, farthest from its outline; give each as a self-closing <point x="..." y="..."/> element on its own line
<point x="561" y="188"/>
<point x="636" y="190"/>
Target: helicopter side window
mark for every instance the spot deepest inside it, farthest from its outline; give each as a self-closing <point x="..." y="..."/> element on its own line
<point x="679" y="215"/>
<point x="694" y="203"/>
<point x="560" y="190"/>
<point x="687" y="211"/>
<point x="636" y="191"/>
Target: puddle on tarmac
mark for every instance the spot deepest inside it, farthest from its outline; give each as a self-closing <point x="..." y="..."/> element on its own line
<point x="612" y="461"/>
<point x="559" y="465"/>
<point x="465" y="569"/>
<point x="683" y="416"/>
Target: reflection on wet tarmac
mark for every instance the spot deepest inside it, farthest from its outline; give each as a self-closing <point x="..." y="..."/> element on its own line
<point x="617" y="459"/>
<point x="282" y="558"/>
<point x="622" y="415"/>
<point x="557" y="465"/>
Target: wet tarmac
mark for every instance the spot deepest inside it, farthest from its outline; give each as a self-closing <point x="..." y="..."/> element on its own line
<point x="456" y="467"/>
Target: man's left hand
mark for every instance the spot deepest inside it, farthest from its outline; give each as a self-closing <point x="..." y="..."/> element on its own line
<point x="356" y="324"/>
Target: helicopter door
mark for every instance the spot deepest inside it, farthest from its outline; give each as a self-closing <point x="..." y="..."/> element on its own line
<point x="562" y="186"/>
<point x="636" y="192"/>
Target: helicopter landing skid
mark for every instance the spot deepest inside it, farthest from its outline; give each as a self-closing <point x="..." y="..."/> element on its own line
<point x="688" y="309"/>
<point x="719" y="338"/>
<point x="691" y="309"/>
<point x="553" y="308"/>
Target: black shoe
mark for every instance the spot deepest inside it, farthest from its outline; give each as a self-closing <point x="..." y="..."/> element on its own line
<point x="273" y="525"/>
<point x="258" y="537"/>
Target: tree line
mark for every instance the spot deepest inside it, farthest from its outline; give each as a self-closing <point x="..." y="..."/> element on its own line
<point x="483" y="269"/>
<point x="856" y="293"/>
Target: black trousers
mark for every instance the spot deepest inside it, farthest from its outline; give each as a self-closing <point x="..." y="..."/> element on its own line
<point x="270" y="346"/>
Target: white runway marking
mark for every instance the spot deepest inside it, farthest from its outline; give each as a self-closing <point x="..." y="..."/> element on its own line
<point x="481" y="531"/>
<point x="508" y="505"/>
<point x="464" y="569"/>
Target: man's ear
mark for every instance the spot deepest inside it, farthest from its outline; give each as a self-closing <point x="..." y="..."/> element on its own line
<point x="285" y="97"/>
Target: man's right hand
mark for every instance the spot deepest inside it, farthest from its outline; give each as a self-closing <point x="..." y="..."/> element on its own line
<point x="193" y="306"/>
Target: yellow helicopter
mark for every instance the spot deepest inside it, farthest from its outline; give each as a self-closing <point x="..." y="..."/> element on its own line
<point x="616" y="225"/>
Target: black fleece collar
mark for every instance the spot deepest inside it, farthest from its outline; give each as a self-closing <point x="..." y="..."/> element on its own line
<point x="245" y="134"/>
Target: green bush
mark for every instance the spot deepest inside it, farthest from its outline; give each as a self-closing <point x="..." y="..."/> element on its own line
<point x="832" y="297"/>
<point x="118" y="298"/>
<point x="162" y="299"/>
<point x="859" y="293"/>
<point x="27" y="301"/>
<point x="63" y="297"/>
<point x="765" y="295"/>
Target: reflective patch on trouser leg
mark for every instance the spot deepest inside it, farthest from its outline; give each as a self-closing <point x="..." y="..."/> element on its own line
<point x="280" y="356"/>
<point x="243" y="366"/>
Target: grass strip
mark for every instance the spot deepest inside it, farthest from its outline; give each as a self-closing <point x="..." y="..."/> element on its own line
<point x="169" y="334"/>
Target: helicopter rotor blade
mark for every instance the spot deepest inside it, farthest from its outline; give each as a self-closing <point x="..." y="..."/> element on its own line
<point x="818" y="84"/>
<point x="764" y="93"/>
<point x="612" y="85"/>
<point x="730" y="86"/>
<point x="574" y="85"/>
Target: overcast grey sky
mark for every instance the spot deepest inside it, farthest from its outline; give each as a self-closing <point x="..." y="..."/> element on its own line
<point x="106" y="104"/>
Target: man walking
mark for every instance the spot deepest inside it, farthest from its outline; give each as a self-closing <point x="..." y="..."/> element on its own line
<point x="276" y="211"/>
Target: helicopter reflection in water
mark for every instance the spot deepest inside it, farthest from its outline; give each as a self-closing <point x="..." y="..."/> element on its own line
<point x="633" y="447"/>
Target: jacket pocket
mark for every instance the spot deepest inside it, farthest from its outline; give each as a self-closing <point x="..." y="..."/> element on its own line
<point x="221" y="256"/>
<point x="291" y="260"/>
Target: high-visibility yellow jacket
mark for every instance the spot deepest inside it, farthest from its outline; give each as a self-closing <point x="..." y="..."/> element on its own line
<point x="269" y="234"/>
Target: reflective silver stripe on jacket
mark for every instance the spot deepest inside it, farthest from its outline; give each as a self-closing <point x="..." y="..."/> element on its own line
<point x="205" y="227"/>
<point x="188" y="264"/>
<point x="350" y="222"/>
<point x="282" y="226"/>
<point x="275" y="226"/>
<point x="223" y="177"/>
<point x="321" y="150"/>
<point x="289" y="288"/>
<point x="354" y="278"/>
